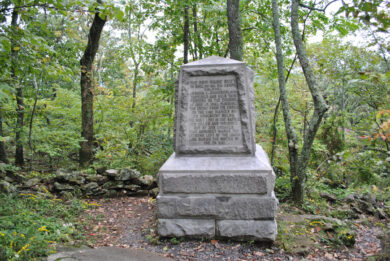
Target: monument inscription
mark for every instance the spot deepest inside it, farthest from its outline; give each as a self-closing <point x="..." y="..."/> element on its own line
<point x="214" y="111"/>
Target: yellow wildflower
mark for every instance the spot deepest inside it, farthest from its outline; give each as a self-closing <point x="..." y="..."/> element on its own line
<point x="24" y="248"/>
<point x="43" y="229"/>
<point x="2" y="234"/>
<point x="22" y="235"/>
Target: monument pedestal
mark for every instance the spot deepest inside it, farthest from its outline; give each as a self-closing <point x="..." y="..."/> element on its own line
<point x="217" y="196"/>
<point x="218" y="183"/>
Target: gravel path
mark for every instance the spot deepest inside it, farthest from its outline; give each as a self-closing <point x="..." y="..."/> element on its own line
<point x="129" y="222"/>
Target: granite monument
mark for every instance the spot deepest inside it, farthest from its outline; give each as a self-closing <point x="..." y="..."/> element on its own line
<point x="218" y="183"/>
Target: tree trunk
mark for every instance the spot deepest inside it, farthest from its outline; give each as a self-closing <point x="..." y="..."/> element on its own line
<point x="291" y="135"/>
<point x="198" y="42"/>
<point x="3" y="153"/>
<point x="186" y="34"/>
<point x="320" y="107"/>
<point x="234" y="25"/>
<point x="135" y="83"/>
<point x="19" y="157"/>
<point x="36" y="87"/>
<point x="86" y="62"/>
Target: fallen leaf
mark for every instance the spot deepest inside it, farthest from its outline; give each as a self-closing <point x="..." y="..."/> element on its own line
<point x="257" y="253"/>
<point x="214" y="242"/>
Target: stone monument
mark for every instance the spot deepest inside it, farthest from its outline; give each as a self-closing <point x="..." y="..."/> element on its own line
<point x="218" y="183"/>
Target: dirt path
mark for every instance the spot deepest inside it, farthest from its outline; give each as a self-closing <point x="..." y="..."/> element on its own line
<point x="130" y="223"/>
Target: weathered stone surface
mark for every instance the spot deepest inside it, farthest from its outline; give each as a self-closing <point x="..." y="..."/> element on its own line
<point x="111" y="172"/>
<point x="60" y="186"/>
<point x="96" y="178"/>
<point x="186" y="227"/>
<point x="91" y="186"/>
<point x="127" y="174"/>
<point x="244" y="207"/>
<point x="6" y="187"/>
<point x="213" y="109"/>
<point x="146" y="180"/>
<point x="132" y="187"/>
<point x="32" y="182"/>
<point x="214" y="183"/>
<point x="74" y="177"/>
<point x="251" y="229"/>
<point x="113" y="185"/>
<point x="217" y="173"/>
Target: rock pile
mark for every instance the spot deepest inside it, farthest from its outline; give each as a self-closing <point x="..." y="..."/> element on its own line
<point x="110" y="183"/>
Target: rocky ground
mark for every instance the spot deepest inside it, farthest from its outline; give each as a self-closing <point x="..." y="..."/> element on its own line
<point x="129" y="222"/>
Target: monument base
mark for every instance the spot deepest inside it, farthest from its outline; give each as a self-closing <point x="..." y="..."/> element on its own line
<point x="217" y="196"/>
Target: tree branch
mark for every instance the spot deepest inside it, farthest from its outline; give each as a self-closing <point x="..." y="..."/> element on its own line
<point x="312" y="8"/>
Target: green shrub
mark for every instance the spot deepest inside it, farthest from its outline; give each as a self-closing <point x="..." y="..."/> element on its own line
<point x="32" y="225"/>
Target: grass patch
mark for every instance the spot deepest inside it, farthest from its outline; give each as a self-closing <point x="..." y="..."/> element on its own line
<point x="32" y="225"/>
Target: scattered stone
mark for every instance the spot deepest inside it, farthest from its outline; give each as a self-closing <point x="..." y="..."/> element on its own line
<point x="111" y="173"/>
<point x="381" y="213"/>
<point x="127" y="174"/>
<point x="366" y="207"/>
<point x="154" y="192"/>
<point x="113" y="185"/>
<point x="146" y="181"/>
<point x="328" y="197"/>
<point x="349" y="198"/>
<point x="7" y="187"/>
<point x="60" y="186"/>
<point x="96" y="178"/>
<point x="32" y="182"/>
<point x="91" y="186"/>
<point x="132" y="187"/>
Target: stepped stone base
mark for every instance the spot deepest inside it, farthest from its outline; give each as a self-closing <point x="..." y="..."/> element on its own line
<point x="207" y="196"/>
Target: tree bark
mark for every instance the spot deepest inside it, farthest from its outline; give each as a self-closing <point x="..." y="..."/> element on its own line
<point x="320" y="107"/>
<point x="86" y="62"/>
<point x="291" y="134"/>
<point x="197" y="39"/>
<point x="234" y="26"/>
<point x="3" y="153"/>
<point x="19" y="157"/>
<point x="186" y="34"/>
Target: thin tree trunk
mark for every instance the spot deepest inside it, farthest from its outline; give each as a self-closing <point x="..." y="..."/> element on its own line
<point x="276" y="113"/>
<point x="197" y="40"/>
<point x="86" y="62"/>
<point x="291" y="135"/>
<point x="19" y="157"/>
<point x="234" y="26"/>
<point x="36" y="87"/>
<point x="135" y="81"/>
<point x="3" y="153"/>
<point x="186" y="34"/>
<point x="320" y="107"/>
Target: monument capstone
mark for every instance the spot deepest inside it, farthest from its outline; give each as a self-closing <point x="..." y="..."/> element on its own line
<point x="218" y="182"/>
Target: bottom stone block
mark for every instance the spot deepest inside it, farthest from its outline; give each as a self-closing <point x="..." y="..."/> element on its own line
<point x="261" y="230"/>
<point x="186" y="227"/>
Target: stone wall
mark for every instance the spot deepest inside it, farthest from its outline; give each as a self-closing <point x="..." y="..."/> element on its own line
<point x="109" y="183"/>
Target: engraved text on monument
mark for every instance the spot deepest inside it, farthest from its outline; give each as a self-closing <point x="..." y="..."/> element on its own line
<point x="214" y="117"/>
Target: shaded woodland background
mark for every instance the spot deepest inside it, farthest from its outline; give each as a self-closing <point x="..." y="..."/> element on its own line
<point x="48" y="68"/>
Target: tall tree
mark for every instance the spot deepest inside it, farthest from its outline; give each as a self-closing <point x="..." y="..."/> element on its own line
<point x="234" y="25"/>
<point x="3" y="153"/>
<point x="86" y="62"/>
<point x="186" y="34"/>
<point x="298" y="159"/>
<point x="19" y="156"/>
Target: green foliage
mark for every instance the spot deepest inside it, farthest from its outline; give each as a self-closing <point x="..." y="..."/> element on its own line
<point x="32" y="225"/>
